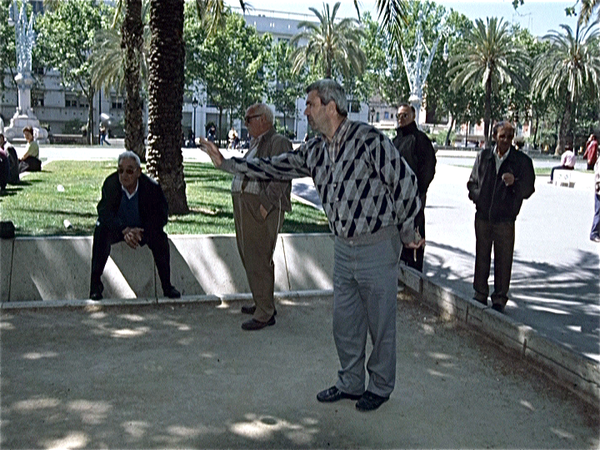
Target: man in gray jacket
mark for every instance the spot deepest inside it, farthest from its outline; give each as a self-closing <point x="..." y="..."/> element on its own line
<point x="259" y="208"/>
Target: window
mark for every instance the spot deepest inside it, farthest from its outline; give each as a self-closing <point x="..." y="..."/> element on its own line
<point x="37" y="98"/>
<point x="72" y="100"/>
<point x="116" y="103"/>
<point x="354" y="106"/>
<point x="386" y="115"/>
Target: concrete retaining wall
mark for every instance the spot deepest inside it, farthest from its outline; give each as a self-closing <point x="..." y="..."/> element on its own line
<point x="573" y="370"/>
<point x="58" y="268"/>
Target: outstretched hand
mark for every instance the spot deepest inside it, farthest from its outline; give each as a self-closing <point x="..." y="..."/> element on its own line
<point x="211" y="150"/>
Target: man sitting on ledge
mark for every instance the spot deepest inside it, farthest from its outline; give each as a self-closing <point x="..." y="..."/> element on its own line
<point x="133" y="208"/>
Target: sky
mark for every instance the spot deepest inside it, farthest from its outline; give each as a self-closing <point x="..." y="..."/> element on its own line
<point x="537" y="16"/>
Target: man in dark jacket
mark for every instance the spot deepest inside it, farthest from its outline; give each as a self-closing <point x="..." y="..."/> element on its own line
<point x="133" y="208"/>
<point x="415" y="147"/>
<point x="501" y="179"/>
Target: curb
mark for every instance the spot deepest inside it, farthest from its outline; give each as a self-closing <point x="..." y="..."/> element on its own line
<point x="222" y="299"/>
<point x="577" y="373"/>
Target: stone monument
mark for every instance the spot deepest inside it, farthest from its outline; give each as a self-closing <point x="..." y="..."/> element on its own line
<point x="417" y="67"/>
<point x="25" y="39"/>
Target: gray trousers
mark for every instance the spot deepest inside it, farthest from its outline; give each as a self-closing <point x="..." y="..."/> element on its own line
<point x="365" y="297"/>
<point x="256" y="239"/>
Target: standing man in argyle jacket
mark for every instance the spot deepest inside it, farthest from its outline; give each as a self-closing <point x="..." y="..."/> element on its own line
<point x="370" y="197"/>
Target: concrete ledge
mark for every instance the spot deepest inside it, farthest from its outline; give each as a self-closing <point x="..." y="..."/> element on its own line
<point x="58" y="268"/>
<point x="574" y="371"/>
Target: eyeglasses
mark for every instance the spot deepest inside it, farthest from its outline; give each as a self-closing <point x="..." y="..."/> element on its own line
<point x="403" y="115"/>
<point x="247" y="119"/>
<point x="120" y="170"/>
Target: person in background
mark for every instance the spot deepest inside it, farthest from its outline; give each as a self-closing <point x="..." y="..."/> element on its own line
<point x="501" y="179"/>
<point x="4" y="166"/>
<point x="133" y="208"/>
<point x="567" y="162"/>
<point x="591" y="151"/>
<point x="259" y="208"/>
<point x="370" y="197"/>
<point x="30" y="160"/>
<point x="595" y="233"/>
<point x="13" y="160"/>
<point x="416" y="148"/>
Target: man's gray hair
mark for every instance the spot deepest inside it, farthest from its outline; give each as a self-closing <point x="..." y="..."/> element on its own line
<point x="130" y="155"/>
<point x="263" y="110"/>
<point x="503" y="124"/>
<point x="330" y="90"/>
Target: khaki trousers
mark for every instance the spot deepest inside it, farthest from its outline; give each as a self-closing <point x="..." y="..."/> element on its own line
<point x="256" y="238"/>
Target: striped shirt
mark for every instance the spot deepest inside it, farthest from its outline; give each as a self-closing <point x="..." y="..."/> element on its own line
<point x="364" y="184"/>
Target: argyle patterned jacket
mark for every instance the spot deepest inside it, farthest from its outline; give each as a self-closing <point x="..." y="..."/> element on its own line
<point x="363" y="182"/>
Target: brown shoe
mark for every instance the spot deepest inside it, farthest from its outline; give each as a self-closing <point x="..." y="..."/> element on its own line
<point x="253" y="324"/>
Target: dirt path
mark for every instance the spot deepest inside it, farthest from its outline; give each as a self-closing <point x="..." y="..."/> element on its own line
<point x="189" y="377"/>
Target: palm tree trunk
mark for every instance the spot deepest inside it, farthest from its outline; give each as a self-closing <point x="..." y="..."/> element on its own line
<point x="488" y="111"/>
<point x="165" y="101"/>
<point x="564" y="130"/>
<point x="132" y="41"/>
<point x="90" y="123"/>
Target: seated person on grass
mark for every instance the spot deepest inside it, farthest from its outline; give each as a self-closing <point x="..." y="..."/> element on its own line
<point x="133" y="208"/>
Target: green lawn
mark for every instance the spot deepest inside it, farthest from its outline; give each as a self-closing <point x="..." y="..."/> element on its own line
<point x="39" y="206"/>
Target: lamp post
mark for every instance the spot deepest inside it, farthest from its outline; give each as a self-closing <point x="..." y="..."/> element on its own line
<point x="194" y="105"/>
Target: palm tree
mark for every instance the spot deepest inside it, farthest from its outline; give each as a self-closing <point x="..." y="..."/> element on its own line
<point x="569" y="69"/>
<point x="119" y="62"/>
<point x="490" y="57"/>
<point x="165" y="94"/>
<point x="333" y="46"/>
<point x="587" y="9"/>
<point x="165" y="101"/>
<point x="132" y="41"/>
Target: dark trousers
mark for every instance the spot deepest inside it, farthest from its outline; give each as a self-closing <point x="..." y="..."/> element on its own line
<point x="158" y="243"/>
<point x="596" y="223"/>
<point x="256" y="239"/>
<point x="30" y="164"/>
<point x="500" y="235"/>
<point x="409" y="256"/>
<point x="4" y="172"/>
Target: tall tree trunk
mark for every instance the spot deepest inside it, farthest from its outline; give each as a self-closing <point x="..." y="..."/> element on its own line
<point x="450" y="128"/>
<point x="132" y="41"/>
<point x="488" y="111"/>
<point x="564" y="130"/>
<point x="90" y="122"/>
<point x="165" y="101"/>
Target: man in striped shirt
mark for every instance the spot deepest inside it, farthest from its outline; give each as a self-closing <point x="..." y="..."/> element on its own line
<point x="370" y="197"/>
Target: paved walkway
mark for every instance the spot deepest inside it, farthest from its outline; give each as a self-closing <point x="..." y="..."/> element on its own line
<point x="187" y="376"/>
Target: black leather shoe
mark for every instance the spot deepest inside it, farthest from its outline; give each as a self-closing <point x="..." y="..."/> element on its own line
<point x="333" y="394"/>
<point x="483" y="302"/>
<point x="172" y="292"/>
<point x="498" y="307"/>
<point x="96" y="291"/>
<point x="370" y="402"/>
<point x="254" y="324"/>
<point x="250" y="309"/>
